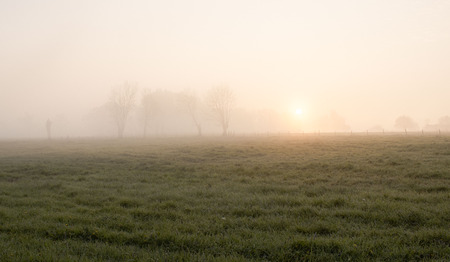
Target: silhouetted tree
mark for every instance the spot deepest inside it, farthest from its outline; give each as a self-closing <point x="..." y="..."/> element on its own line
<point x="190" y="102"/>
<point x="405" y="123"/>
<point x="121" y="103"/>
<point x="220" y="102"/>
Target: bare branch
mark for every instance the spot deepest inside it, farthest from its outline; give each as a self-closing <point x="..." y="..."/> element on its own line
<point x="122" y="101"/>
<point x="220" y="101"/>
<point x="189" y="101"/>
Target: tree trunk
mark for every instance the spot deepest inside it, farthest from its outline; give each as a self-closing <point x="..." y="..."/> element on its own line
<point x="224" y="130"/>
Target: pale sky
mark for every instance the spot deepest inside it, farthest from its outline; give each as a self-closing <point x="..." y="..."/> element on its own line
<point x="368" y="60"/>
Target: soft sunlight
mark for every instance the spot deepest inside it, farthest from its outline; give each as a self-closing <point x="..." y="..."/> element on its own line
<point x="284" y="60"/>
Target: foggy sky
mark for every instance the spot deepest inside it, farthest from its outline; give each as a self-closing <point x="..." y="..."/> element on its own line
<point x="368" y="61"/>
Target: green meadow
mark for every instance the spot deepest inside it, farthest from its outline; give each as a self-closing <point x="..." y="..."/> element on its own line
<point x="274" y="198"/>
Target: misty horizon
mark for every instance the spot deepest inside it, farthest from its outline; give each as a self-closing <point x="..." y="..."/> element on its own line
<point x="347" y="66"/>
<point x="169" y="118"/>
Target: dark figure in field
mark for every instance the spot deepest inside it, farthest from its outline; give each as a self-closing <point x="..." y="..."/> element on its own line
<point x="48" y="125"/>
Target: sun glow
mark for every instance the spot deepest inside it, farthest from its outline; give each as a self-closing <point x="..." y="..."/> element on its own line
<point x="298" y="111"/>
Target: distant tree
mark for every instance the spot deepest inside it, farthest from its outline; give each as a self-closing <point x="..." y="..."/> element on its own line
<point x="122" y="101"/>
<point x="220" y="101"/>
<point x="190" y="102"/>
<point x="405" y="123"/>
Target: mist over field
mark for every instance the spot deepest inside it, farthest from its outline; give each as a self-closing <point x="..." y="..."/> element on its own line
<point x="255" y="130"/>
<point x="292" y="66"/>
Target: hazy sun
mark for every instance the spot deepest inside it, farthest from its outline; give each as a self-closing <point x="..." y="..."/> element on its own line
<point x="298" y="111"/>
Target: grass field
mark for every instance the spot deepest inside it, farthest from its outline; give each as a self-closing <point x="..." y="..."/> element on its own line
<point x="287" y="198"/>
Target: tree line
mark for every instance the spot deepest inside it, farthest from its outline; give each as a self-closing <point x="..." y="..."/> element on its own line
<point x="217" y="105"/>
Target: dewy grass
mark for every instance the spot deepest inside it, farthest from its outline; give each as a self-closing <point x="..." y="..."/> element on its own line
<point x="291" y="198"/>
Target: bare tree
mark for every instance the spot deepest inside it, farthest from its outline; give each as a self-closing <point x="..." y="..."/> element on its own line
<point x="122" y="101"/>
<point x="220" y="101"/>
<point x="405" y="123"/>
<point x="190" y="102"/>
